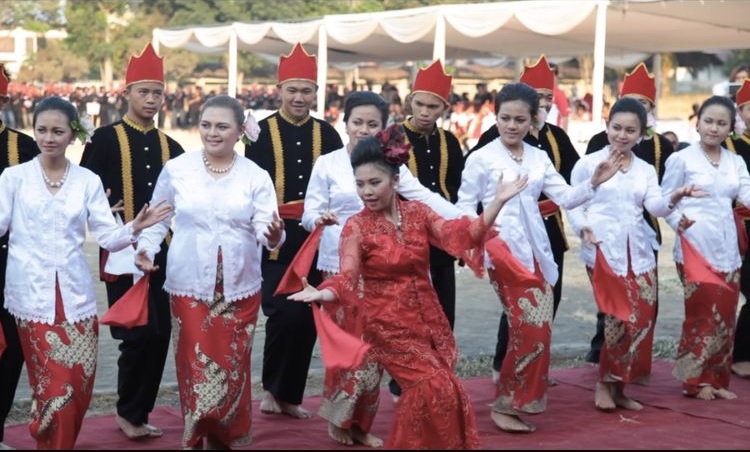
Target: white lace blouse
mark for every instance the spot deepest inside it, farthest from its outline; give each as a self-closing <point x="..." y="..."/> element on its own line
<point x="47" y="233"/>
<point x="714" y="233"/>
<point x="519" y="223"/>
<point x="615" y="214"/>
<point x="232" y="212"/>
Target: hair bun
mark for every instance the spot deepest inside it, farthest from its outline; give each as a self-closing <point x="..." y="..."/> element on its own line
<point x="394" y="144"/>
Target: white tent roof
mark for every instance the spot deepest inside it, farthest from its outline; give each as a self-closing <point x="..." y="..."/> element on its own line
<point x="557" y="28"/>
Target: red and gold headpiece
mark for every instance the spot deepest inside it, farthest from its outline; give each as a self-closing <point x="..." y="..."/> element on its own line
<point x="539" y="75"/>
<point x="433" y="80"/>
<point x="639" y="83"/>
<point x="146" y="67"/>
<point x="298" y="65"/>
<point x="743" y="94"/>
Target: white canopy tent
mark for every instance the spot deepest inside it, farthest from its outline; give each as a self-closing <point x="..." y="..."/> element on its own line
<point x="558" y="28"/>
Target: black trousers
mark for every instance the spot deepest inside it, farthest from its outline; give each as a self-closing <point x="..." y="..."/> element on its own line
<point x="290" y="337"/>
<point x="143" y="349"/>
<point x="501" y="347"/>
<point x="598" y="340"/>
<point x="11" y="363"/>
<point x="444" y="282"/>
<point x="741" y="351"/>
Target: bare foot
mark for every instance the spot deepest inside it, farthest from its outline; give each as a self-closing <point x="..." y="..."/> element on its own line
<point x="130" y="430"/>
<point x="153" y="431"/>
<point x="741" y="369"/>
<point x="365" y="439"/>
<point x="295" y="411"/>
<point x="395" y="398"/>
<point x="340" y="435"/>
<point x="706" y="393"/>
<point x="511" y="423"/>
<point x="603" y="399"/>
<point x="627" y="403"/>
<point x="725" y="394"/>
<point x="269" y="405"/>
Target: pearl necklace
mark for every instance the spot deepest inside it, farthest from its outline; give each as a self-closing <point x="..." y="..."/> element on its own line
<point x="713" y="162"/>
<point x="59" y="183"/>
<point x="517" y="158"/>
<point x="398" y="217"/>
<point x="218" y="170"/>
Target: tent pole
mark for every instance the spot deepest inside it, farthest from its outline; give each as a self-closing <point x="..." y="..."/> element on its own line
<point x="656" y="70"/>
<point x="232" y="86"/>
<point x="322" y="68"/>
<point x="438" y="47"/>
<point x="600" y="37"/>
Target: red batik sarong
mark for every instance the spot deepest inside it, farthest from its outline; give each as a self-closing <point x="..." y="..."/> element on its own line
<point x="704" y="356"/>
<point x="627" y="349"/>
<point x="522" y="386"/>
<point x="213" y="345"/>
<point x="61" y="364"/>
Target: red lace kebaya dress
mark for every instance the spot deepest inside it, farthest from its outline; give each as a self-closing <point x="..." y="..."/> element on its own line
<point x="385" y="270"/>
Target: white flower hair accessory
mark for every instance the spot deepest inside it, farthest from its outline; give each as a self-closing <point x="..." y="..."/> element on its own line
<point x="250" y="129"/>
<point x="83" y="128"/>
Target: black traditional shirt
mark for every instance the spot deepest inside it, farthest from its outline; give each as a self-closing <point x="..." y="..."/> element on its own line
<point x="287" y="149"/>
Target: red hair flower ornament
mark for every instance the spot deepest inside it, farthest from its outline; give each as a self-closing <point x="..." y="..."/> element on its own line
<point x="394" y="145"/>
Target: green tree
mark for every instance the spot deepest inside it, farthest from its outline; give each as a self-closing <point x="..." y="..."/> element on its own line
<point x="38" y="16"/>
<point x="53" y="64"/>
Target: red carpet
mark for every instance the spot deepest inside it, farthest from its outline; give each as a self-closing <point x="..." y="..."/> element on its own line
<point x="669" y="421"/>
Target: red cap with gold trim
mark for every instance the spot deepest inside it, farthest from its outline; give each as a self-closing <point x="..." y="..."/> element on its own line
<point x="146" y="67"/>
<point x="433" y="80"/>
<point x="539" y="75"/>
<point x="298" y="65"/>
<point x="4" y="81"/>
<point x="639" y="83"/>
<point x="743" y="94"/>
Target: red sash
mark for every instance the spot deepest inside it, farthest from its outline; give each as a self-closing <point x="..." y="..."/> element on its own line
<point x="292" y="210"/>
<point x="548" y="208"/>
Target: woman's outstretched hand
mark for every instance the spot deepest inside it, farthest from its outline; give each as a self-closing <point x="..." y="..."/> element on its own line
<point x="310" y="294"/>
<point x="607" y="168"/>
<point x="143" y="263"/>
<point x="588" y="237"/>
<point x="119" y="206"/>
<point x="150" y="215"/>
<point x="684" y="224"/>
<point x="506" y="190"/>
<point x="275" y="230"/>
<point x="690" y="191"/>
<point x="327" y="218"/>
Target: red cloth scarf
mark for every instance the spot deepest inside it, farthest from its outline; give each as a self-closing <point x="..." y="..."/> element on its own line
<point x="506" y="264"/>
<point x="301" y="264"/>
<point x="131" y="309"/>
<point x="697" y="269"/>
<point x="610" y="290"/>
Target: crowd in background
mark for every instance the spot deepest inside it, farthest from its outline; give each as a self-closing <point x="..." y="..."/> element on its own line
<point x="467" y="117"/>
